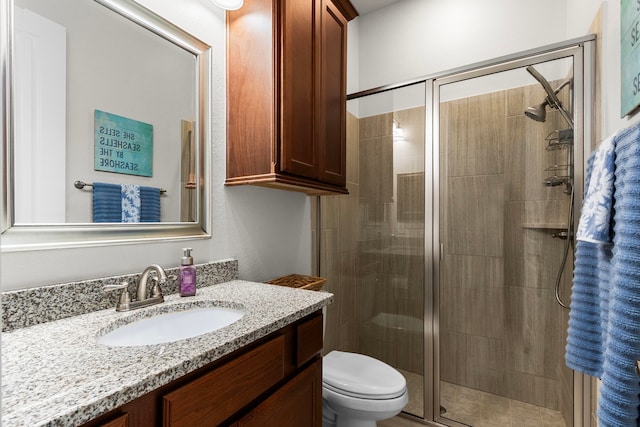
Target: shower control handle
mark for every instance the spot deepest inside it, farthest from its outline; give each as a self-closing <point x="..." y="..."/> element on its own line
<point x="562" y="235"/>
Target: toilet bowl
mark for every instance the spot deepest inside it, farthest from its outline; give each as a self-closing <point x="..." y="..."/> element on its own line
<point x="358" y="390"/>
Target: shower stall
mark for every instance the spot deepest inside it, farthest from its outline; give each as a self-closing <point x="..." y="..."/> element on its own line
<point x="451" y="258"/>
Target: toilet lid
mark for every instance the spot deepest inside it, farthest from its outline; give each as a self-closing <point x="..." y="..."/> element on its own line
<point x="361" y="376"/>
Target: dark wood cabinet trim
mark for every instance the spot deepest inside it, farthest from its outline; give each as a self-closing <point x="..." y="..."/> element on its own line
<point x="309" y="340"/>
<point x="347" y="9"/>
<point x="292" y="183"/>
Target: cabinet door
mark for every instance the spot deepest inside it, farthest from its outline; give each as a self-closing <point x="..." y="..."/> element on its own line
<point x="299" y="71"/>
<point x="121" y="421"/>
<point x="297" y="403"/>
<point x="332" y="117"/>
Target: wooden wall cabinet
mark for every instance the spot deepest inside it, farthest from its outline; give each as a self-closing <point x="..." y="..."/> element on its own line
<point x="276" y="381"/>
<point x="286" y="94"/>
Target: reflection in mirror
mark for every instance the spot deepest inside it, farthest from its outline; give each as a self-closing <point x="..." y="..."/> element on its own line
<point x="109" y="95"/>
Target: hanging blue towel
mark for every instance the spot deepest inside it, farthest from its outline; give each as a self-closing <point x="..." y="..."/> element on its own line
<point x="125" y="203"/>
<point x="585" y="346"/>
<point x="149" y="204"/>
<point x="604" y="322"/>
<point x="597" y="209"/>
<point x="130" y="202"/>
<point x="585" y="340"/>
<point x="619" y="401"/>
<point x="107" y="202"/>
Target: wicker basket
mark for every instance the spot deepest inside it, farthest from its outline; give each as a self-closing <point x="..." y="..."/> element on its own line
<point x="300" y="281"/>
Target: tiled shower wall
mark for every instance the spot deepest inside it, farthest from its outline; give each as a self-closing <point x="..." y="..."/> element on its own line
<point x="501" y="330"/>
<point x="372" y="253"/>
<point x="391" y="269"/>
<point x="340" y="222"/>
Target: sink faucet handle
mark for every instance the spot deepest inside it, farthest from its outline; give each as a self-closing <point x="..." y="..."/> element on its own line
<point x="122" y="285"/>
<point x="125" y="296"/>
<point x="156" y="292"/>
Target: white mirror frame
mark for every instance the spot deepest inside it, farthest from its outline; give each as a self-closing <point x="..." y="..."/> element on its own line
<point x="24" y="237"/>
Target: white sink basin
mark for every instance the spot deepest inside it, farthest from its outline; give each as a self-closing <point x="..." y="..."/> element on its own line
<point x="170" y="327"/>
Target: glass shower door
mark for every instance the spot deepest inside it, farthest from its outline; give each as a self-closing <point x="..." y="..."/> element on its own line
<point x="505" y="198"/>
<point x="372" y="240"/>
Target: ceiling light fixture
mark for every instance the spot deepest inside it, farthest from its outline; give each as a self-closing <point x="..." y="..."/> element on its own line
<point x="228" y="4"/>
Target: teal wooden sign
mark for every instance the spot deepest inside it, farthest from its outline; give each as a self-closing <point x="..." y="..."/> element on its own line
<point x="122" y="145"/>
<point x="630" y="55"/>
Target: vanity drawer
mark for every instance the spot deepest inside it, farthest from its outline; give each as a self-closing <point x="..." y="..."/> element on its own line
<point x="214" y="397"/>
<point x="121" y="421"/>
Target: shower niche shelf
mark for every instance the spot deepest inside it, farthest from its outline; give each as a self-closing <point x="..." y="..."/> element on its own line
<point x="545" y="226"/>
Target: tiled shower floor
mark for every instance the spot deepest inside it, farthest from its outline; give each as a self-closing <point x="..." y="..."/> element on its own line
<point x="478" y="409"/>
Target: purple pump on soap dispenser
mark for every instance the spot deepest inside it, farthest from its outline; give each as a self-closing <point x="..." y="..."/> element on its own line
<point x="187" y="274"/>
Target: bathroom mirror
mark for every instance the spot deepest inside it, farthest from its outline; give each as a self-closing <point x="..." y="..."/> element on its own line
<point x="101" y="91"/>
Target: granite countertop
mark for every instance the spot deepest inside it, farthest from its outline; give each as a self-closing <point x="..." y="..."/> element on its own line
<point x="57" y="374"/>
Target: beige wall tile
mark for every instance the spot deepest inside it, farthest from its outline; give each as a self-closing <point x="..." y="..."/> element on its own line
<point x="480" y="272"/>
<point x="489" y="136"/>
<point x="353" y="144"/>
<point x="475" y="215"/>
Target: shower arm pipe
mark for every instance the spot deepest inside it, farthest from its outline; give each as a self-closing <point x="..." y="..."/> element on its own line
<point x="552" y="99"/>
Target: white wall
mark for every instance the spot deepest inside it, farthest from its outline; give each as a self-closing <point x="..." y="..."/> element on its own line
<point x="579" y="18"/>
<point x="268" y="231"/>
<point x="413" y="38"/>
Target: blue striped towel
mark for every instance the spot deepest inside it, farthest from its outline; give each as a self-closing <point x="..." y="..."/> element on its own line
<point x="107" y="202"/>
<point x="125" y="203"/>
<point x="620" y="392"/>
<point x="585" y="340"/>
<point x="149" y="204"/>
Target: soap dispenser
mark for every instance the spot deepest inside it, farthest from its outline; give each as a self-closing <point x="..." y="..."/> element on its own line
<point x="187" y="274"/>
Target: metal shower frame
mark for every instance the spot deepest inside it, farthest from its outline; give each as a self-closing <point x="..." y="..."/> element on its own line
<point x="582" y="50"/>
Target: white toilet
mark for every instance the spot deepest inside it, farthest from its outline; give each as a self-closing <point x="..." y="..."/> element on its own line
<point x="358" y="390"/>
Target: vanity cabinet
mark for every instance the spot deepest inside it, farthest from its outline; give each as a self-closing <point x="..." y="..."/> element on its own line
<point x="275" y="381"/>
<point x="286" y="94"/>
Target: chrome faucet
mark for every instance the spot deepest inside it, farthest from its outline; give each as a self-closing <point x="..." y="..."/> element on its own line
<point x="161" y="279"/>
<point x="144" y="298"/>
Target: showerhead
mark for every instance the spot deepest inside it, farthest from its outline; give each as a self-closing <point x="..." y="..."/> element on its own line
<point x="537" y="112"/>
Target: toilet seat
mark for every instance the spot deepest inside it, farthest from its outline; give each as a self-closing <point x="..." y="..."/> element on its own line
<point x="361" y="376"/>
<point x="342" y="403"/>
